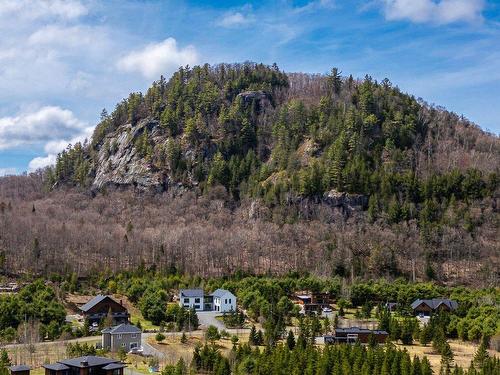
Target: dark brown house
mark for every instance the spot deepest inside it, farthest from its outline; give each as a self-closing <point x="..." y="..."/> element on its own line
<point x="90" y="365"/>
<point x="312" y="302"/>
<point x="19" y="370"/>
<point x="98" y="308"/>
<point x="354" y="334"/>
<point x="426" y="307"/>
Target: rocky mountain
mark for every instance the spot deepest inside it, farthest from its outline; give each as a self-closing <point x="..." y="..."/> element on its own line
<point x="401" y="183"/>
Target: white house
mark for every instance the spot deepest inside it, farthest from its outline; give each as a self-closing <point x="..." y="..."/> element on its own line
<point x="192" y="298"/>
<point x="223" y="301"/>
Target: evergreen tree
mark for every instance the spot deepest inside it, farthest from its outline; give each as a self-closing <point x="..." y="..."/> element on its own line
<point x="481" y="354"/>
<point x="290" y="340"/>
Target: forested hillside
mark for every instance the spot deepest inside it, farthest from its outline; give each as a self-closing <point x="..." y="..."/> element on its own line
<point x="242" y="166"/>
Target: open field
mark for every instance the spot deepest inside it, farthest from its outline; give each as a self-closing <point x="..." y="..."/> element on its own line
<point x="35" y="355"/>
<point x="173" y="349"/>
<point x="463" y="353"/>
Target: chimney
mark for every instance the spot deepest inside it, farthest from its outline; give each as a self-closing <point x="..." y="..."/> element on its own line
<point x="121" y="302"/>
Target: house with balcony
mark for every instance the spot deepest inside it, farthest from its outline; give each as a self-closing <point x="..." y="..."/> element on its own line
<point x="192" y="299"/>
<point x="221" y="300"/>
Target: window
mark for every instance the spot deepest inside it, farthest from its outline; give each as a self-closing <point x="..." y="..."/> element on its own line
<point x="134" y="335"/>
<point x="225" y="301"/>
<point x="186" y="300"/>
<point x="229" y="300"/>
<point x="120" y="336"/>
<point x="122" y="345"/>
<point x="196" y="300"/>
<point x="196" y="307"/>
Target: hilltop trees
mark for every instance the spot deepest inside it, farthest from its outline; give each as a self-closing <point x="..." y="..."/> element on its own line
<point x="302" y="155"/>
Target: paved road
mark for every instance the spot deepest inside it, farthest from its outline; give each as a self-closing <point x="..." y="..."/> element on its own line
<point x="148" y="349"/>
<point x="207" y="318"/>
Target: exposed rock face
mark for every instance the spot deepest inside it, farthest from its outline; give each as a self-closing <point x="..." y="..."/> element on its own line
<point x="346" y="200"/>
<point x="262" y="97"/>
<point x="120" y="164"/>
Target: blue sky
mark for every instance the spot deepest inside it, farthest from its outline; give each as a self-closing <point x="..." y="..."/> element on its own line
<point x="62" y="61"/>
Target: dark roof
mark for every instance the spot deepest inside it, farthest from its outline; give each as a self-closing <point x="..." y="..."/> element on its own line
<point x="19" y="368"/>
<point x="191" y="293"/>
<point x="122" y="328"/>
<point x="91" y="361"/>
<point x="357" y="330"/>
<point x="94" y="301"/>
<point x="220" y="292"/>
<point x="56" y="367"/>
<point x="435" y="303"/>
<point x="114" y="366"/>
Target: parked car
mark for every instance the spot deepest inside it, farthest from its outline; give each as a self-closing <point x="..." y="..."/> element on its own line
<point x="327" y="310"/>
<point x="137" y="350"/>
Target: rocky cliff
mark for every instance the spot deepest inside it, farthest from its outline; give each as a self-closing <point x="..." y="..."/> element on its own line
<point x="119" y="162"/>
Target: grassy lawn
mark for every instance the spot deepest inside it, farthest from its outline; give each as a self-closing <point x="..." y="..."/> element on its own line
<point x="174" y="349"/>
<point x="42" y="353"/>
<point x="138" y="363"/>
<point x="136" y="316"/>
<point x="463" y="353"/>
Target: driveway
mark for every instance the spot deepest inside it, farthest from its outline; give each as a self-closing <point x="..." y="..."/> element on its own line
<point x="207" y="318"/>
<point x="149" y="350"/>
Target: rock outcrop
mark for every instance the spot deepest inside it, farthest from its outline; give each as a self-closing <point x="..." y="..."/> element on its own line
<point x="120" y="164"/>
<point x="262" y="98"/>
<point x="351" y="202"/>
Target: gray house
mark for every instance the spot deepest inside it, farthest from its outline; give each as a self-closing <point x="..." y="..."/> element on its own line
<point x="192" y="298"/>
<point x="126" y="336"/>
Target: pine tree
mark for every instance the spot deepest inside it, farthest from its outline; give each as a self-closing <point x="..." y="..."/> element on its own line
<point x="4" y="362"/>
<point x="481" y="354"/>
<point x="252" y="339"/>
<point x="425" y="334"/>
<point x="290" y="340"/>
<point x="184" y="338"/>
<point x="426" y="367"/>
<point x="416" y="366"/>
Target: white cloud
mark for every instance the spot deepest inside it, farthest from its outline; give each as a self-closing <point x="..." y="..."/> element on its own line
<point x="158" y="58"/>
<point x="52" y="148"/>
<point x="41" y="162"/>
<point x="234" y="19"/>
<point x="439" y="12"/>
<point x="57" y="35"/>
<point x="47" y="124"/>
<point x="39" y="9"/>
<point x="7" y="171"/>
<point x="315" y="5"/>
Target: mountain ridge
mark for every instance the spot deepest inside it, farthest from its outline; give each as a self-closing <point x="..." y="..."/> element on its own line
<point x="319" y="173"/>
